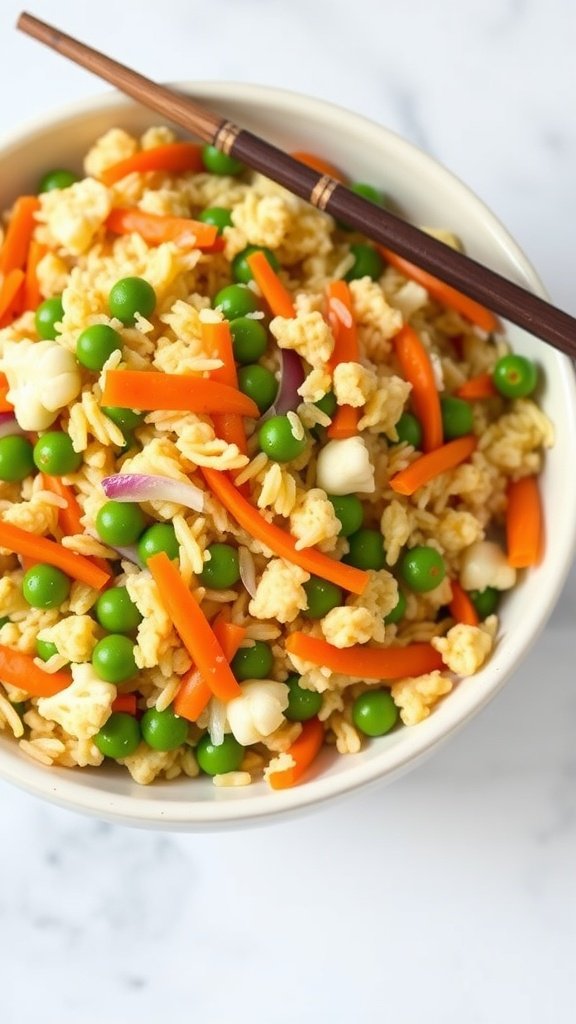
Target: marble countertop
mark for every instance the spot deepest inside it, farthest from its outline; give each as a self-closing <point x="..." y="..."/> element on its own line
<point x="451" y="895"/>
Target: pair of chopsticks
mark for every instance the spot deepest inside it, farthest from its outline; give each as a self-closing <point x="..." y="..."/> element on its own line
<point x="480" y="283"/>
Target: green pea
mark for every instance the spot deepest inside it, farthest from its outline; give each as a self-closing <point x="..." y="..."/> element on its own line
<point x="302" y="704"/>
<point x="457" y="418"/>
<point x="515" y="376"/>
<point x="120" y="522"/>
<point x="116" y="611"/>
<point x="367" y="263"/>
<point x="58" y="178"/>
<point x="113" y="658"/>
<point x="409" y="430"/>
<point x="240" y="268"/>
<point x="159" y="537"/>
<point x="16" y="458"/>
<point x="48" y="314"/>
<point x="45" y="586"/>
<point x="249" y="339"/>
<point x="45" y="649"/>
<point x="223" y="569"/>
<point x="397" y="612"/>
<point x="126" y="419"/>
<point x="218" y="216"/>
<point x="129" y="296"/>
<point x="485" y="601"/>
<point x="3" y="620"/>
<point x="96" y="344"/>
<point x="236" y="300"/>
<point x="366" y="550"/>
<point x="422" y="568"/>
<point x="253" y="662"/>
<point x="322" y="597"/>
<point x="220" y="163"/>
<point x="349" y="511"/>
<point x="374" y="713"/>
<point x="119" y="736"/>
<point x="259" y="384"/>
<point x="163" y="730"/>
<point x="276" y="439"/>
<point x="327" y="404"/>
<point x="218" y="760"/>
<point x="53" y="454"/>
<point x="20" y="707"/>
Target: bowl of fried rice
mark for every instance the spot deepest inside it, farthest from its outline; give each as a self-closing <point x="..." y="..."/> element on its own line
<point x="279" y="512"/>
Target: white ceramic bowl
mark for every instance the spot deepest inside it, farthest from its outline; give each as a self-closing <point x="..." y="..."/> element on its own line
<point x="429" y="195"/>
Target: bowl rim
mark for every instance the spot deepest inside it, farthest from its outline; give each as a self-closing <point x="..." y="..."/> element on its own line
<point x="150" y="810"/>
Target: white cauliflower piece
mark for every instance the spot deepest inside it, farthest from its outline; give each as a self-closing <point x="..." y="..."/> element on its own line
<point x="308" y="334"/>
<point x="464" y="649"/>
<point x="347" y="625"/>
<point x="280" y="593"/>
<point x="344" y="467"/>
<point x="353" y="384"/>
<point x="83" y="707"/>
<point x="43" y="378"/>
<point x="484" y="565"/>
<point x="258" y="712"/>
<point x="416" y="696"/>
<point x="74" y="215"/>
<point x="314" y="521"/>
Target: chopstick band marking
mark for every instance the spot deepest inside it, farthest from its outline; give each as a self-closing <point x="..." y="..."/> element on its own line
<point x="322" y="191"/>
<point x="226" y="136"/>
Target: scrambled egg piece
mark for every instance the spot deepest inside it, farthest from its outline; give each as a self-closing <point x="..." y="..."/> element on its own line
<point x="416" y="697"/>
<point x="74" y="215"/>
<point x="75" y="637"/>
<point x="145" y="764"/>
<point x="280" y="593"/>
<point x="384" y="406"/>
<point x="484" y="564"/>
<point x="348" y="625"/>
<point x="316" y="385"/>
<point x="464" y="649"/>
<point x="379" y="597"/>
<point x="43" y="378"/>
<point x="112" y="147"/>
<point x="308" y="334"/>
<point x="264" y="220"/>
<point x="11" y="598"/>
<point x="457" y="529"/>
<point x="377" y="321"/>
<point x="314" y="521"/>
<point x="83" y="707"/>
<point x="36" y="516"/>
<point x="258" y="712"/>
<point x="353" y="384"/>
<point x="344" y="467"/>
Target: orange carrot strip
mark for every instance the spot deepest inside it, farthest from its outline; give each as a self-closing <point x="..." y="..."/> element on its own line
<point x="317" y="163"/>
<point x="461" y="607"/>
<point x="18" y="234"/>
<point x="384" y="663"/>
<point x="344" y="422"/>
<point x="276" y="295"/>
<point x="174" y="158"/>
<point x="125" y="702"/>
<point x="417" y="369"/>
<point x="20" y="670"/>
<point x="5" y="405"/>
<point x="280" y="542"/>
<point x="340" y="316"/>
<point x="22" y="542"/>
<point x="433" y="464"/>
<point x="444" y="293"/>
<point x="138" y="389"/>
<point x="32" y="296"/>
<point x="478" y="387"/>
<point x="303" y="752"/>
<point x="194" y="692"/>
<point x="193" y="628"/>
<point x="155" y="228"/>
<point x="218" y="338"/>
<point x="69" y="519"/>
<point x="524" y="523"/>
<point x="9" y="289"/>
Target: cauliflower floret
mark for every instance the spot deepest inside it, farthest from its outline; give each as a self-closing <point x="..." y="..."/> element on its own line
<point x="484" y="565"/>
<point x="43" y="378"/>
<point x="83" y="707"/>
<point x="258" y="712"/>
<point x="353" y="384"/>
<point x="346" y="625"/>
<point x="314" y="521"/>
<point x="308" y="334"/>
<point x="112" y="147"/>
<point x="464" y="649"/>
<point x="280" y="593"/>
<point x="415" y="697"/>
<point x="74" y="215"/>
<point x="344" y="467"/>
<point x="75" y="637"/>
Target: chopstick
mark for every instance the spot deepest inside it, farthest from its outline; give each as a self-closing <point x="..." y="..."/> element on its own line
<point x="485" y="286"/>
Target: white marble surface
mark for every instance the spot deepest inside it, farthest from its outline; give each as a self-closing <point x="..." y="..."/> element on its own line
<point x="450" y="896"/>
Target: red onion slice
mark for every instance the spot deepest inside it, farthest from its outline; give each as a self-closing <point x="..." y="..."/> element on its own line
<point x="140" y="487"/>
<point x="291" y="377"/>
<point x="9" y="425"/>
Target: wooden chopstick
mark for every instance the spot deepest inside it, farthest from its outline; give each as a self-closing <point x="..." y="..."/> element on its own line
<point x="505" y="298"/>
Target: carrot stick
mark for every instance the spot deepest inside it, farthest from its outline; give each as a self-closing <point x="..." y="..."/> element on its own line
<point x="32" y="296"/>
<point x="417" y="369"/>
<point x="218" y="338"/>
<point x="173" y="158"/>
<point x="429" y="466"/>
<point x="194" y="692"/>
<point x="20" y="670"/>
<point x="9" y="294"/>
<point x="125" y="702"/>
<point x="461" y="607"/>
<point x="139" y="389"/>
<point x="69" y="518"/>
<point x="478" y="387"/>
<point x="303" y="752"/>
<point x="19" y="232"/>
<point x="276" y="295"/>
<point x="443" y="293"/>
<point x="22" y="542"/>
<point x="317" y="163"/>
<point x="384" y="663"/>
<point x="280" y="542"/>
<point x="155" y="228"/>
<point x="5" y="405"/>
<point x="524" y="523"/>
<point x="341" y="319"/>
<point x="193" y="628"/>
<point x="344" y="423"/>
